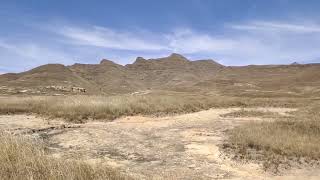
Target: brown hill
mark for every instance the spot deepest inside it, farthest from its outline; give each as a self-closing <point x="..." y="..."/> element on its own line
<point x="174" y="72"/>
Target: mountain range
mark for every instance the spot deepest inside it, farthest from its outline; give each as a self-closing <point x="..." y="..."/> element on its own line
<point x="172" y="73"/>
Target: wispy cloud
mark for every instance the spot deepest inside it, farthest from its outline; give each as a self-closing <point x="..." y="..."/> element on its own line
<point x="20" y="56"/>
<point x="278" y="26"/>
<point x="278" y="42"/>
<point x="252" y="42"/>
<point x="188" y="41"/>
<point x="33" y="51"/>
<point x="109" y="38"/>
<point x="182" y="40"/>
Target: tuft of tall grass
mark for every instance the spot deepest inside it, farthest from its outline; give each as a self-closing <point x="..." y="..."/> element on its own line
<point x="23" y="158"/>
<point x="296" y="137"/>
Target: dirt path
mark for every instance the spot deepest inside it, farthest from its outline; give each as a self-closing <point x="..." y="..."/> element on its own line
<point x="177" y="147"/>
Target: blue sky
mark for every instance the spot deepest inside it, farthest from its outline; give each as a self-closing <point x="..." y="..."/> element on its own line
<point x="232" y="32"/>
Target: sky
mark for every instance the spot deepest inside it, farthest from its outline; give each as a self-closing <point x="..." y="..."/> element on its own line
<point x="231" y="32"/>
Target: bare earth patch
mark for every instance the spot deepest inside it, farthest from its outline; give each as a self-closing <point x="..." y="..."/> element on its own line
<point x="174" y="147"/>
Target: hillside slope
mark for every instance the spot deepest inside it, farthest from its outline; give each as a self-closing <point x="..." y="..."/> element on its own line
<point x="174" y="72"/>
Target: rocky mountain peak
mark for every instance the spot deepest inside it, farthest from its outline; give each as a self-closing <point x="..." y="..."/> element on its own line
<point x="107" y="62"/>
<point x="140" y="60"/>
<point x="176" y="57"/>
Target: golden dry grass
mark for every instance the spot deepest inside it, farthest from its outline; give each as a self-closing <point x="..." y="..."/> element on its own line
<point x="82" y="108"/>
<point x="250" y="113"/>
<point x="294" y="137"/>
<point x="23" y="158"/>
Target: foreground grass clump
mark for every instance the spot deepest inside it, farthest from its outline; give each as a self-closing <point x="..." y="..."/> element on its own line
<point x="22" y="158"/>
<point x="296" y="137"/>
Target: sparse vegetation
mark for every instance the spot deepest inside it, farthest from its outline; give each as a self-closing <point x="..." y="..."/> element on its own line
<point x="250" y="113"/>
<point x="82" y="108"/>
<point x="23" y="158"/>
<point x="295" y="137"/>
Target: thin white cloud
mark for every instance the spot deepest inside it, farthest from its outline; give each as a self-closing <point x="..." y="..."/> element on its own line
<point x="254" y="42"/>
<point x="180" y="40"/>
<point x="33" y="51"/>
<point x="188" y="41"/>
<point x="108" y="38"/>
<point x="278" y="26"/>
<point x="263" y="42"/>
<point x="21" y="56"/>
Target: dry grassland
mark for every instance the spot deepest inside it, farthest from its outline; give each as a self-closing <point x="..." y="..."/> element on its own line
<point x="293" y="138"/>
<point x="83" y="108"/>
<point x="24" y="158"/>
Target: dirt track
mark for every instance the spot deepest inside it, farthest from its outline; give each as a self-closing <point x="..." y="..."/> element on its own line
<point x="176" y="147"/>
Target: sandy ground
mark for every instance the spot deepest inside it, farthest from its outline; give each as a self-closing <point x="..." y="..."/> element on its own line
<point x="176" y="147"/>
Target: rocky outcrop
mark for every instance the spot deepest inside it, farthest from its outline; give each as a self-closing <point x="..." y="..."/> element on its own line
<point x="78" y="89"/>
<point x="67" y="89"/>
